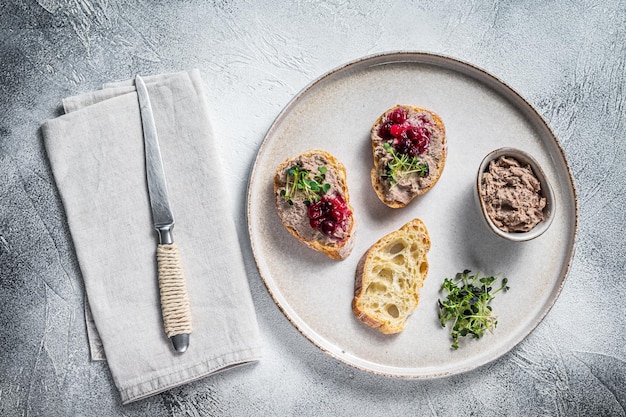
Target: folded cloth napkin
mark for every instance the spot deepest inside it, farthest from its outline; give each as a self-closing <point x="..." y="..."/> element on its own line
<point x="97" y="156"/>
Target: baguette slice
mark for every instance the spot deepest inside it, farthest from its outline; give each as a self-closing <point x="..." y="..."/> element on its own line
<point x="293" y="206"/>
<point x="389" y="277"/>
<point x="399" y="191"/>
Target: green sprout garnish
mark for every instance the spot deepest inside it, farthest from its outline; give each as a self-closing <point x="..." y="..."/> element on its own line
<point x="467" y="305"/>
<point x="301" y="180"/>
<point x="403" y="165"/>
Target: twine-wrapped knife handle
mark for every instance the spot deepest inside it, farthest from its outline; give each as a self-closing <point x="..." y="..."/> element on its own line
<point x="174" y="298"/>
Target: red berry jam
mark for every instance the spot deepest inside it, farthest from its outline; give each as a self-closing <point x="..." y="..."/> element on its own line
<point x="410" y="137"/>
<point x="397" y="115"/>
<point x="330" y="215"/>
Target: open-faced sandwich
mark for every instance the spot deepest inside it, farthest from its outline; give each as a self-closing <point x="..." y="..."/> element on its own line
<point x="409" y="147"/>
<point x="313" y="203"/>
<point x="389" y="277"/>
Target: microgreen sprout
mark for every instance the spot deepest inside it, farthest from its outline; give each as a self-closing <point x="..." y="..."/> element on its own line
<point x="467" y="305"/>
<point x="403" y="165"/>
<point x="301" y="180"/>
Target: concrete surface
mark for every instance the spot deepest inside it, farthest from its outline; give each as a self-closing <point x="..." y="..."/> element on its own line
<point x="567" y="58"/>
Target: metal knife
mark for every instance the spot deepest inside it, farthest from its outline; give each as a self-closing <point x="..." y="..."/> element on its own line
<point x="173" y="292"/>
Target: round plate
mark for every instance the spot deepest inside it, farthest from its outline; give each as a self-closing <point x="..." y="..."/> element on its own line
<point x="480" y="113"/>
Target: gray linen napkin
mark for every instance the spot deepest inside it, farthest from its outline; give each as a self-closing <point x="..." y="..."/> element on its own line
<point x="97" y="158"/>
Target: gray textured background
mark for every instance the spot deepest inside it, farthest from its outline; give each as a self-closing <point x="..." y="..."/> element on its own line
<point x="567" y="58"/>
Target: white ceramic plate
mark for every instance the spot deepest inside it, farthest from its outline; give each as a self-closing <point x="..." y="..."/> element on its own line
<point x="480" y="113"/>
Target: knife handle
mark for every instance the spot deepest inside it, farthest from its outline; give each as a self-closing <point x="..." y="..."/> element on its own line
<point x="174" y="298"/>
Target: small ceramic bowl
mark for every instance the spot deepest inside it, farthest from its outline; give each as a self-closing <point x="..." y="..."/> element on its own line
<point x="546" y="191"/>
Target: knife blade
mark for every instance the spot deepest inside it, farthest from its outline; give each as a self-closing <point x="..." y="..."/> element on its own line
<point x="174" y="299"/>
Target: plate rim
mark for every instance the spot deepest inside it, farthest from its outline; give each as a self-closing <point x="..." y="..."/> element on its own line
<point x="467" y="69"/>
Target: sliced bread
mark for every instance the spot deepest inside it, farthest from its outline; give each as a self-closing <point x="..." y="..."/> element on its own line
<point x="313" y="202"/>
<point x="389" y="277"/>
<point x="409" y="148"/>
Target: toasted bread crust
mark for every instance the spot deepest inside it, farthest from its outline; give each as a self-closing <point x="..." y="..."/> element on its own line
<point x="435" y="156"/>
<point x="389" y="276"/>
<point x="333" y="248"/>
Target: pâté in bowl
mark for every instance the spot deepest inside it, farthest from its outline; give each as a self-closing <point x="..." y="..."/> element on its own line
<point x="514" y="195"/>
